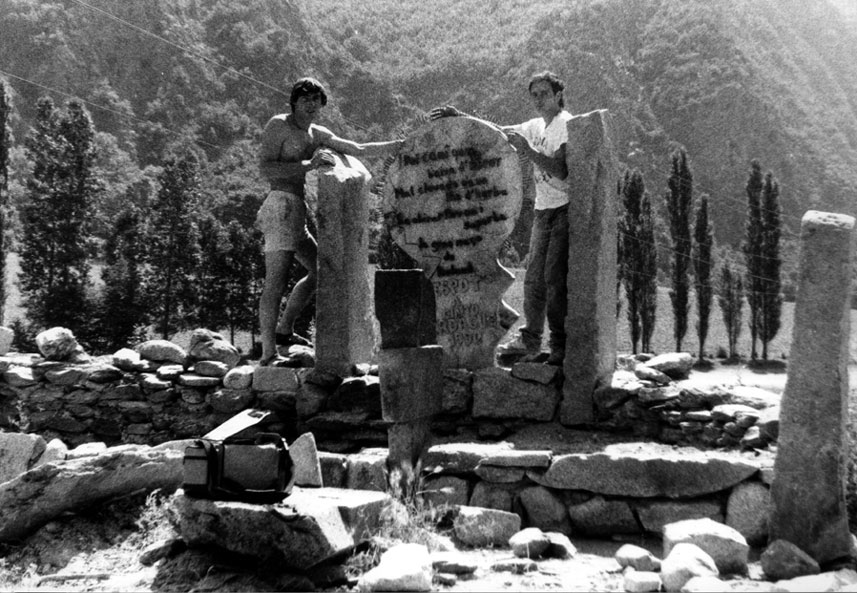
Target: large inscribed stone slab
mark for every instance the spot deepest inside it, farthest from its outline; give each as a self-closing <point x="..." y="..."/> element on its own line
<point x="451" y="199"/>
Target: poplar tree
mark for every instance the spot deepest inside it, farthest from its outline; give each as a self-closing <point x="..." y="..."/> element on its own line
<point x="56" y="237"/>
<point x="771" y="261"/>
<point x="752" y="247"/>
<point x="679" y="201"/>
<point x="730" y="297"/>
<point x="703" y="242"/>
<point x="638" y="259"/>
<point x="173" y="246"/>
<point x="5" y="146"/>
<point x="124" y="311"/>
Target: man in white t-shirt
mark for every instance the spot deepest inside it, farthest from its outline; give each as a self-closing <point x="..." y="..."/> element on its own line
<point x="542" y="140"/>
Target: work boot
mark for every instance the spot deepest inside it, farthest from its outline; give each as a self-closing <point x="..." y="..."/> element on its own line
<point x="512" y="351"/>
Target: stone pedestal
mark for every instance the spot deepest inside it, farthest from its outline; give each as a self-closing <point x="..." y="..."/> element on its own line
<point x="808" y="491"/>
<point x="345" y="326"/>
<point x="411" y="394"/>
<point x="451" y="199"/>
<point x="590" y="350"/>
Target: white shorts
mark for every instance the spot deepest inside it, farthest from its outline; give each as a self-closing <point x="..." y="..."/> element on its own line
<point x="282" y="220"/>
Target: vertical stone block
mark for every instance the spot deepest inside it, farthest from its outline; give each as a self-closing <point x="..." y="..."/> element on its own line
<point x="405" y="308"/>
<point x="411" y="383"/>
<point x="808" y="491"/>
<point x="345" y="324"/>
<point x="590" y="350"/>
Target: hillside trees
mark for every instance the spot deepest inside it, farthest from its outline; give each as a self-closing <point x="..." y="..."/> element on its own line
<point x="638" y="259"/>
<point x="173" y="253"/>
<point x="56" y="218"/>
<point x="679" y="204"/>
<point x="124" y="311"/>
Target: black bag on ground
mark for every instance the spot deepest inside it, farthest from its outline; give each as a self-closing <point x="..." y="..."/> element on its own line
<point x="223" y="466"/>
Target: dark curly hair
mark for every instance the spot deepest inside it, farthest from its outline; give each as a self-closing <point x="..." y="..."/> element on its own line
<point x="307" y="86"/>
<point x="556" y="84"/>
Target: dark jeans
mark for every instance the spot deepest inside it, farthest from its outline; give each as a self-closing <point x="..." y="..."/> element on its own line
<point x="545" y="289"/>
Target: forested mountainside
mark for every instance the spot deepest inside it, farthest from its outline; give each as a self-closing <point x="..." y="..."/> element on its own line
<point x="730" y="80"/>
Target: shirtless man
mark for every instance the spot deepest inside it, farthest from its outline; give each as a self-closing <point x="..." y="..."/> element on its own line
<point x="290" y="148"/>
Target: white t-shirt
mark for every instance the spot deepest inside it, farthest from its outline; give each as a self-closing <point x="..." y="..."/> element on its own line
<point x="551" y="192"/>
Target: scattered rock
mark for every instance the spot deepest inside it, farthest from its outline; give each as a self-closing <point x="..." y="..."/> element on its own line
<point x="452" y="563"/>
<point x="638" y="558"/>
<point x="529" y="543"/>
<point x="560" y="546"/>
<point x="515" y="566"/>
<point x="676" y="365"/>
<point x="684" y="562"/>
<point x="784" y="560"/>
<point x="704" y="585"/>
<point x="647" y="373"/>
<point x="405" y="567"/>
<point x="485" y="527"/>
<point x="724" y="544"/>
<point x="637" y="581"/>
<point x="305" y="463"/>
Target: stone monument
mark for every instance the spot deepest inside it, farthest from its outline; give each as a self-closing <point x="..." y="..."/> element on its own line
<point x="450" y="200"/>
<point x="808" y="491"/>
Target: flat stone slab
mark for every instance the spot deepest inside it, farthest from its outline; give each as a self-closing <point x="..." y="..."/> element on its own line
<point x="642" y="470"/>
<point x="308" y="527"/>
<point x="462" y="457"/>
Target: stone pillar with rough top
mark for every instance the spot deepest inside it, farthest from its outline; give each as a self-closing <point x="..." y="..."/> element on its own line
<point x="808" y="491"/>
<point x="590" y="351"/>
<point x="451" y="198"/>
<point x="346" y="329"/>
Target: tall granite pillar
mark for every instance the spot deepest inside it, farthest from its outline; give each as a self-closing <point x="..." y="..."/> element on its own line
<point x="590" y="346"/>
<point x="345" y="331"/>
<point x="808" y="491"/>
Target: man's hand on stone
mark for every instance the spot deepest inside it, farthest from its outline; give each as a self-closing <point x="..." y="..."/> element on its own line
<point x="519" y="142"/>
<point x="322" y="158"/>
<point x="445" y="111"/>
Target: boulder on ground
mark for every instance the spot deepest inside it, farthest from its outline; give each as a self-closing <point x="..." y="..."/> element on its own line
<point x="684" y="562"/>
<point x="724" y="544"/>
<point x="531" y="543"/>
<point x="676" y="365"/>
<point x="405" y="567"/>
<point x="784" y="560"/>
<point x="485" y="527"/>
<point x="637" y="558"/>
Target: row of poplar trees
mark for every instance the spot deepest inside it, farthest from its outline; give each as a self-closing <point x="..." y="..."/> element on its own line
<point x="691" y="252"/>
<point x="167" y="265"/>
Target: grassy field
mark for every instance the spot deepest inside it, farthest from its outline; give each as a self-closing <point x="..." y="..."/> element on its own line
<point x="662" y="340"/>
